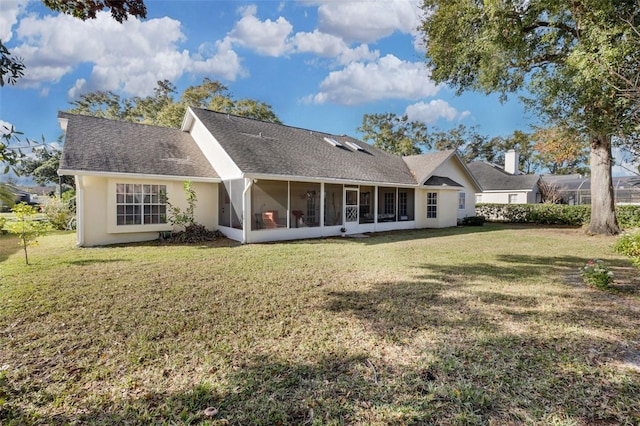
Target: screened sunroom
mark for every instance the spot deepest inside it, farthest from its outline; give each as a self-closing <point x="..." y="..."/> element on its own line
<point x="297" y="209"/>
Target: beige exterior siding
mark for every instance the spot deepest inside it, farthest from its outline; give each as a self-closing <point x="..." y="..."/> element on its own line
<point x="446" y="214"/>
<point x="97" y="210"/>
<point x="455" y="171"/>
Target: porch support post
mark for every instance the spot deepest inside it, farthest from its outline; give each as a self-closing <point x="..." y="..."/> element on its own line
<point x="375" y="204"/>
<point x="246" y="209"/>
<point x="322" y="201"/>
<point x="80" y="211"/>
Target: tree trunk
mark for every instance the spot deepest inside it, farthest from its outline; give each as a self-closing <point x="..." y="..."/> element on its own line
<point x="603" y="213"/>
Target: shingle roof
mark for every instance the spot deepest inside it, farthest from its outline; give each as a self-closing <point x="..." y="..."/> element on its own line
<point x="422" y="166"/>
<point x="259" y="147"/>
<point x="95" y="144"/>
<point x="494" y="178"/>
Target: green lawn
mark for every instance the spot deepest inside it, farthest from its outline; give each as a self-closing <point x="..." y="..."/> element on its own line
<point x="488" y="325"/>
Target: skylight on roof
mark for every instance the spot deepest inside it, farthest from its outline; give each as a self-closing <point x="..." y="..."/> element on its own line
<point x="354" y="146"/>
<point x="332" y="141"/>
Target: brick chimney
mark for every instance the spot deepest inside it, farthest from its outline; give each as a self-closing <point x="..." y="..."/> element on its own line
<point x="511" y="162"/>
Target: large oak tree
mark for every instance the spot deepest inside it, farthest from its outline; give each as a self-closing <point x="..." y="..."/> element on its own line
<point x="562" y="52"/>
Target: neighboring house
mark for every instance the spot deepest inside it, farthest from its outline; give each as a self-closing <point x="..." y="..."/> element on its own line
<point x="255" y="181"/>
<point x="505" y="185"/>
<point x="20" y="196"/>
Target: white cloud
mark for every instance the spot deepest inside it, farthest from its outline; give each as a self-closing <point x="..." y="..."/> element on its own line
<point x="367" y="21"/>
<point x="388" y="78"/>
<point x="224" y="62"/>
<point x="131" y="56"/>
<point x="265" y="37"/>
<point x="330" y="46"/>
<point x="9" y="11"/>
<point x="433" y="111"/>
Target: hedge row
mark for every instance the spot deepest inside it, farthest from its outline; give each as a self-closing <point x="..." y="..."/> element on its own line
<point x="553" y="214"/>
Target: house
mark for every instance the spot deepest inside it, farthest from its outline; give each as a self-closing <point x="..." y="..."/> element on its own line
<point x="20" y="196"/>
<point x="505" y="185"/>
<point x="255" y="181"/>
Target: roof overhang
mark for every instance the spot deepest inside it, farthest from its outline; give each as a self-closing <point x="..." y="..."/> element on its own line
<point x="268" y="176"/>
<point x="67" y="172"/>
<point x="505" y="191"/>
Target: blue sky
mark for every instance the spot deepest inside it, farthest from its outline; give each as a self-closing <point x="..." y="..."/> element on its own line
<point x="321" y="65"/>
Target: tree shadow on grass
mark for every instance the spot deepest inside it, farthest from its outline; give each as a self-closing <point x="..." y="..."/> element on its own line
<point x="258" y="391"/>
<point x="8" y="246"/>
<point x="84" y="262"/>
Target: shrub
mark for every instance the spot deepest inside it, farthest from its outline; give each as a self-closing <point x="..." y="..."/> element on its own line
<point x="59" y="212"/>
<point x="597" y="274"/>
<point x="554" y="214"/>
<point x="3" y="220"/>
<point x="472" y="221"/>
<point x="628" y="216"/>
<point x="545" y="214"/>
<point x="629" y="244"/>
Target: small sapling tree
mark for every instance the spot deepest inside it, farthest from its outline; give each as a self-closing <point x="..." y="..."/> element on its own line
<point x="179" y="217"/>
<point x="193" y="232"/>
<point x="26" y="226"/>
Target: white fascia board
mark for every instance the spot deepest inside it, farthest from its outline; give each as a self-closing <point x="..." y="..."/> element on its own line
<point x="62" y="122"/>
<point x="66" y="172"/>
<point x="504" y="191"/>
<point x="187" y="120"/>
<point x="443" y="188"/>
<point x="324" y="179"/>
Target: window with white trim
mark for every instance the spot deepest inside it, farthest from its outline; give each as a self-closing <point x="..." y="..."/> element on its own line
<point x="462" y="201"/>
<point x="513" y="198"/>
<point x="140" y="204"/>
<point x="432" y="205"/>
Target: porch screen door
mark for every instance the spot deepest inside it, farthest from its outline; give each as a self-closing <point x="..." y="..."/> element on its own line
<point x="351" y="205"/>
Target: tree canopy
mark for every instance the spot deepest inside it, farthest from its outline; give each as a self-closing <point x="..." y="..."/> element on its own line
<point x="163" y="110"/>
<point x="547" y="150"/>
<point x="561" y="52"/>
<point x="394" y="134"/>
<point x="43" y="167"/>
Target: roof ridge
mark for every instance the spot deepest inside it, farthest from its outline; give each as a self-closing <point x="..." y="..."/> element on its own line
<point x="61" y="114"/>
<point x="273" y="124"/>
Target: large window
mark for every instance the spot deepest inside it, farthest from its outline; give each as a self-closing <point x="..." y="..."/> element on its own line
<point x="432" y="205"/>
<point x="138" y="204"/>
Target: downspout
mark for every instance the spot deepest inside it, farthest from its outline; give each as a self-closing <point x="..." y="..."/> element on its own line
<point x="79" y="211"/>
<point x="246" y="205"/>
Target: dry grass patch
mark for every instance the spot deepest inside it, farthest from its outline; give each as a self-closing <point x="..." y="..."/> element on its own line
<point x="483" y="325"/>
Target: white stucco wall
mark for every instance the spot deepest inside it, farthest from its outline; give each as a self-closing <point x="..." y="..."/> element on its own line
<point x="97" y="210"/>
<point x="447" y="206"/>
<point x="502" y="197"/>
<point x="452" y="169"/>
